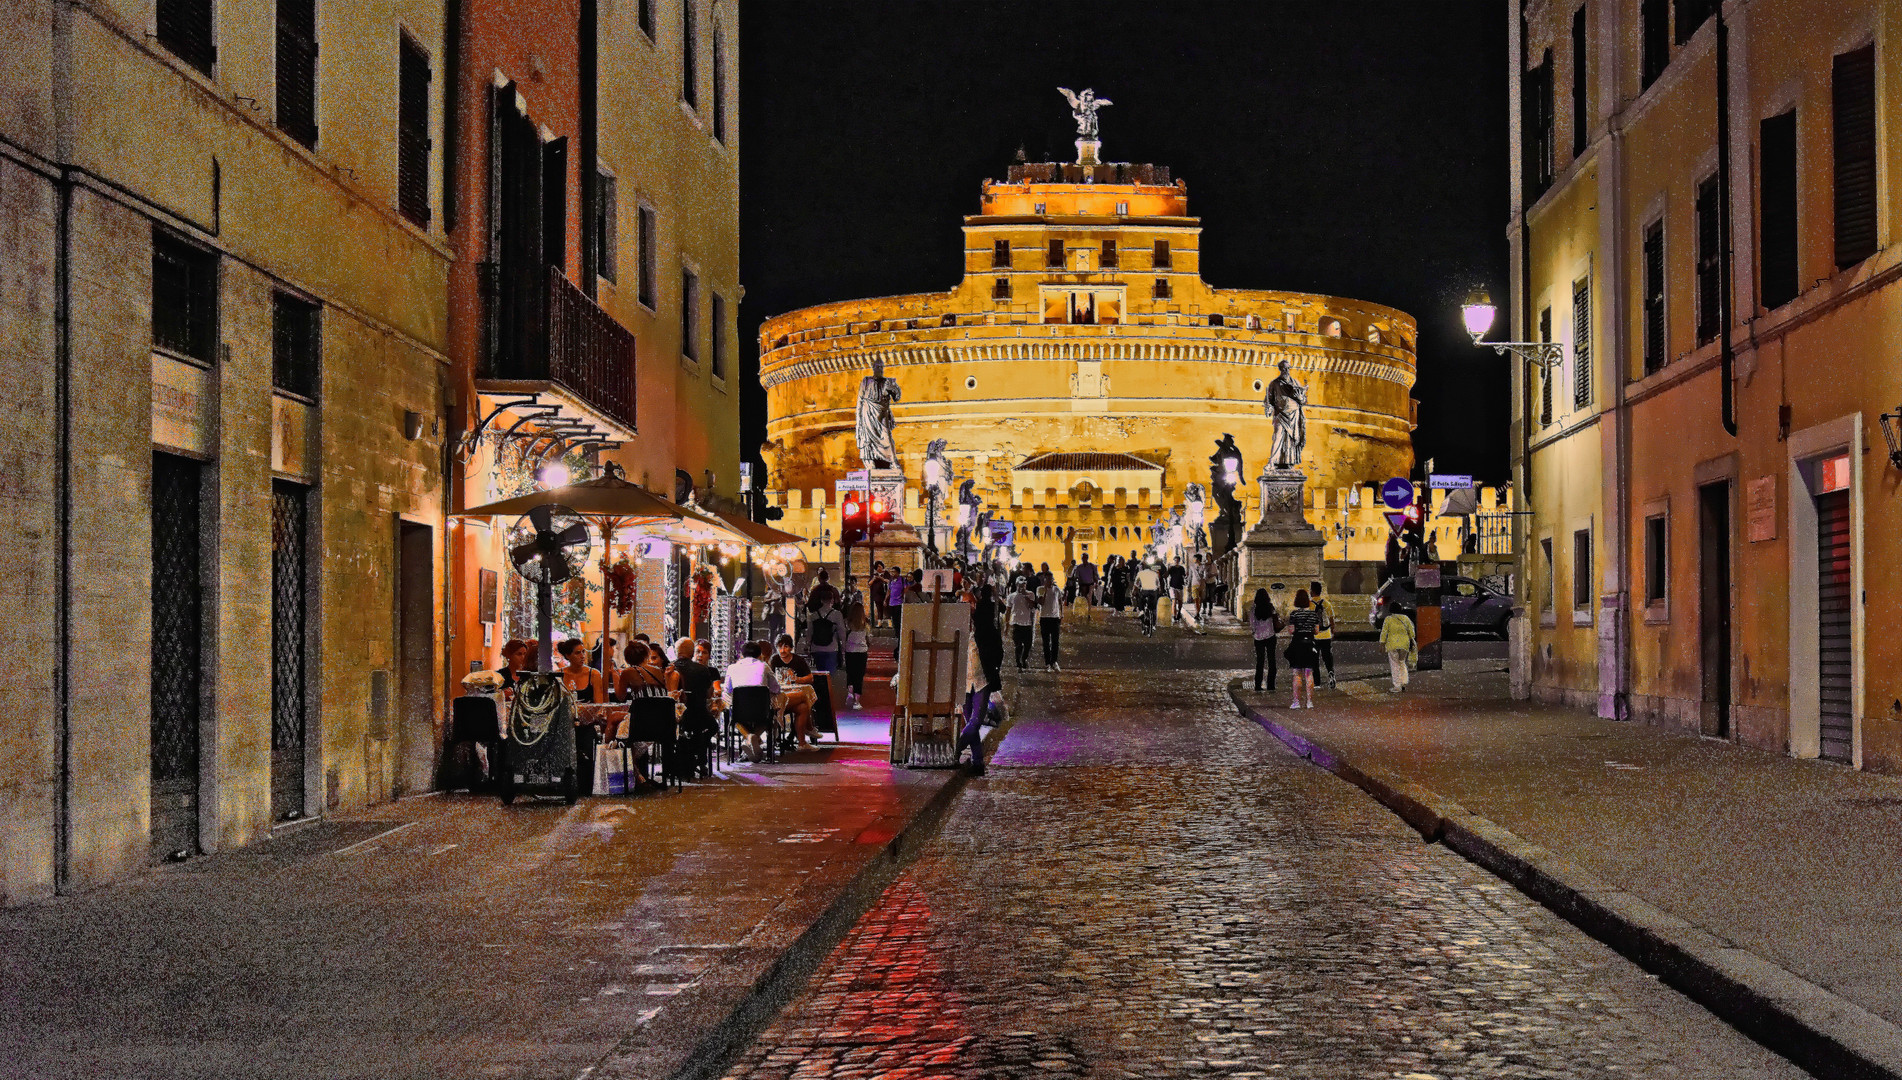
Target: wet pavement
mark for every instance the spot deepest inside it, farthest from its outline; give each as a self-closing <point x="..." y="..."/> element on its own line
<point x="1147" y="885"/>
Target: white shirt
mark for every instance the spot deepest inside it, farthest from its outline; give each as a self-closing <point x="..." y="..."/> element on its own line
<point x="1023" y="609"/>
<point x="1148" y="580"/>
<point x="1051" y="598"/>
<point x="747" y="671"/>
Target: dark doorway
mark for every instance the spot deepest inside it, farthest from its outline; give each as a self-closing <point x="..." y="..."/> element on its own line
<point x="1713" y="623"/>
<point x="415" y="644"/>
<point x="1834" y="651"/>
<point x="290" y="623"/>
<point x="177" y="653"/>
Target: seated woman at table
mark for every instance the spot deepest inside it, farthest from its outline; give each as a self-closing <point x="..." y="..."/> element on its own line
<point x="693" y="684"/>
<point x="580" y="679"/>
<point x="750" y="670"/>
<point x="795" y="679"/>
<point x="639" y="680"/>
<point x="514" y="659"/>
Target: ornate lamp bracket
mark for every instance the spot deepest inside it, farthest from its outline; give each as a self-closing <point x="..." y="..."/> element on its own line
<point x="1892" y="434"/>
<point x="1546" y="354"/>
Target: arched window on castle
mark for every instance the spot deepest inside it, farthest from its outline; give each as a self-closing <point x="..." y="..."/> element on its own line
<point x="1331" y="327"/>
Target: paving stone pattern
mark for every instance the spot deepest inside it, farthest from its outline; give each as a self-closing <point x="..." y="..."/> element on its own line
<point x="1147" y="886"/>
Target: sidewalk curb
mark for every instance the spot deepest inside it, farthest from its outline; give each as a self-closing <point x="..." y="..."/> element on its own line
<point x="789" y="972"/>
<point x="1820" y="1031"/>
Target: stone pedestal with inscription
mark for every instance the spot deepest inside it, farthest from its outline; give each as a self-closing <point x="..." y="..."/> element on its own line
<point x="1283" y="552"/>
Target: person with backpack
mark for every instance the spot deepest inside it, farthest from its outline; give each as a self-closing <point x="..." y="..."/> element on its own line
<point x="825" y="630"/>
<point x="1324" y="637"/>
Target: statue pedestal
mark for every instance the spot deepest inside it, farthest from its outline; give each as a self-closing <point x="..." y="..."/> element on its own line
<point x="1086" y="151"/>
<point x="1282" y="552"/>
<point x="889" y="485"/>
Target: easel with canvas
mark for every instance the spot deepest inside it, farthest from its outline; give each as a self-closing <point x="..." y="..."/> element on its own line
<point x="931" y="663"/>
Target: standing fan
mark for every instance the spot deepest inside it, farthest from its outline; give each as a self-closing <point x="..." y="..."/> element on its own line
<point x="559" y="544"/>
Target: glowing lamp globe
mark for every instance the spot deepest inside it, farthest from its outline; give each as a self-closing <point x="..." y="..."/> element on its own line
<point x="1478" y="314"/>
<point x="553" y="476"/>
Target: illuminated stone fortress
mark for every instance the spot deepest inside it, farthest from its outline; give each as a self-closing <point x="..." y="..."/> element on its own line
<point x="1082" y="373"/>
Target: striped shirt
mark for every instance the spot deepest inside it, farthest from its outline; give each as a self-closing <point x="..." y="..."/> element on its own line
<point x="1304" y="621"/>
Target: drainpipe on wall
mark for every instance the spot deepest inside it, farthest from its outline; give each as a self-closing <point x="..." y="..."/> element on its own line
<point x="1723" y="222"/>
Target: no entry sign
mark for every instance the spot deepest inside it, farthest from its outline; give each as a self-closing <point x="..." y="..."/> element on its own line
<point x="1397" y="493"/>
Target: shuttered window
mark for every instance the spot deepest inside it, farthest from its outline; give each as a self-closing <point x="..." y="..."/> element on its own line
<point x="184" y="298"/>
<point x="1654" y="297"/>
<point x="1582" y="344"/>
<point x="1547" y="375"/>
<point x="1655" y="27"/>
<point x="412" y="133"/>
<point x="607" y="217"/>
<point x="689" y="315"/>
<point x="690" y="54"/>
<point x="1853" y="96"/>
<point x="297" y="69"/>
<point x="185" y="29"/>
<point x="295" y="345"/>
<point x="1777" y="245"/>
<point x="1581" y="114"/>
<point x="1709" y="262"/>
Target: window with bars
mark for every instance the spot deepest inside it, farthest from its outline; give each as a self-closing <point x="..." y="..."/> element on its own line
<point x="1710" y="250"/>
<point x="1053" y="255"/>
<point x="1537" y="111"/>
<point x="690" y="54"/>
<point x="649" y="255"/>
<point x="1000" y="254"/>
<point x="1162" y="289"/>
<point x="296" y="345"/>
<point x="1109" y="255"/>
<point x="607" y="218"/>
<point x="1161" y="259"/>
<point x="689" y="314"/>
<point x="1776" y="221"/>
<point x="1581" y="84"/>
<point x="716" y="353"/>
<point x="297" y="69"/>
<point x="719" y="81"/>
<point x="1654" y="339"/>
<point x="184" y="298"/>
<point x="1548" y="375"/>
<point x="1853" y="98"/>
<point x="1654" y="21"/>
<point x="1582" y="344"/>
<point x="185" y="29"/>
<point x="412" y="132"/>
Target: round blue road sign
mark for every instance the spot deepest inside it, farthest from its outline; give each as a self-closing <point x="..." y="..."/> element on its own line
<point x="1397" y="493"/>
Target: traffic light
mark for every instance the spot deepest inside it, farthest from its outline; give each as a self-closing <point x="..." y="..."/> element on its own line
<point x="851" y="521"/>
<point x="878" y="517"/>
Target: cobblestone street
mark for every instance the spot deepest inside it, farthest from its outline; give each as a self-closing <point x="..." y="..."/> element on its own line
<point x="1147" y="885"/>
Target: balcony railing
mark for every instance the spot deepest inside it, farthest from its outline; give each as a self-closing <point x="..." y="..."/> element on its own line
<point x="566" y="340"/>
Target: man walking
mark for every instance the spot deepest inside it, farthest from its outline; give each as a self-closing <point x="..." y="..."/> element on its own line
<point x="1324" y="637"/>
<point x="826" y="629"/>
<point x="1403" y="648"/>
<point x="1086" y="577"/>
<point x="1049" y="620"/>
<point x="1023" y="616"/>
<point x="1178" y="577"/>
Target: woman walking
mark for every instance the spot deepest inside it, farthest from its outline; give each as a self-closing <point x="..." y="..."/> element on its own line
<point x="858" y="648"/>
<point x="1302" y="655"/>
<point x="1403" y="648"/>
<point x="1265" y="621"/>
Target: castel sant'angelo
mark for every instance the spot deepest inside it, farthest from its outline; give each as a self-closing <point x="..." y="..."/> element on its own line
<point x="1082" y="374"/>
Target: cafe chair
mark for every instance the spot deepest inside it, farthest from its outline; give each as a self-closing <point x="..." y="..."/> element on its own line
<point x="476" y="719"/>
<point x="752" y="708"/>
<point x="652" y="720"/>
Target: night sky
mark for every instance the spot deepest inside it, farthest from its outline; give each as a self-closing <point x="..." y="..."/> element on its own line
<point x="1355" y="149"/>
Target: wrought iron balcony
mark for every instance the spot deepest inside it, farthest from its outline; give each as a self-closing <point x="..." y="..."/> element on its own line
<point x="554" y="340"/>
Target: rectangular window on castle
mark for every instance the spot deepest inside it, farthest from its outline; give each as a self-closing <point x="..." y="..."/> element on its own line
<point x="649" y="240"/>
<point x="297" y="69"/>
<point x="184" y="298"/>
<point x="1161" y="258"/>
<point x="1000" y="289"/>
<point x="295" y="345"/>
<point x="716" y="352"/>
<point x="1109" y="255"/>
<point x="1550" y="374"/>
<point x="1776" y="221"/>
<point x="689" y="314"/>
<point x="1581" y="115"/>
<point x="412" y="132"/>
<point x="1162" y="288"/>
<point x="1654" y="296"/>
<point x="1655" y="31"/>
<point x="1709" y="262"/>
<point x="1852" y="90"/>
<point x="1053" y="258"/>
<point x="185" y="29"/>
<point x="1582" y="344"/>
<point x="1000" y="254"/>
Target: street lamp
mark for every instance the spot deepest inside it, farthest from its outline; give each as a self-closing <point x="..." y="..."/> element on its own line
<point x="1478" y="313"/>
<point x="1892" y="432"/>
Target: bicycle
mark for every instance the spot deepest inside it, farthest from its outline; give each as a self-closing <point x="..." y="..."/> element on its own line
<point x="1149" y="614"/>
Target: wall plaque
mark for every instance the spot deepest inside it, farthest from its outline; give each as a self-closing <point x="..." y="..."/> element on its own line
<point x="1761" y="503"/>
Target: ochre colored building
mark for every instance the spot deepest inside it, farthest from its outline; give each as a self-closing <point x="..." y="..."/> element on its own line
<point x="1082" y="371"/>
<point x="1732" y="575"/>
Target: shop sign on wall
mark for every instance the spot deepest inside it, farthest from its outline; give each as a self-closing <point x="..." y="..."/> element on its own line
<point x="184" y="406"/>
<point x="291" y="429"/>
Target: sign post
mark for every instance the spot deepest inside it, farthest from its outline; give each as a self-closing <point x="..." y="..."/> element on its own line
<point x="1426" y="618"/>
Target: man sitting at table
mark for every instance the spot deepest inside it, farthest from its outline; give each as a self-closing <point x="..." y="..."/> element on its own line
<point x="795" y="678"/>
<point x="750" y="670"/>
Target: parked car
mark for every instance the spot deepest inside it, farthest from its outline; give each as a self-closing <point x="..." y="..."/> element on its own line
<point x="1466" y="606"/>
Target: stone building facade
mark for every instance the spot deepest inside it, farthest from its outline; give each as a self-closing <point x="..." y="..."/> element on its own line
<point x="225" y="316"/>
<point x="1082" y="371"/>
<point x="1723" y="569"/>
